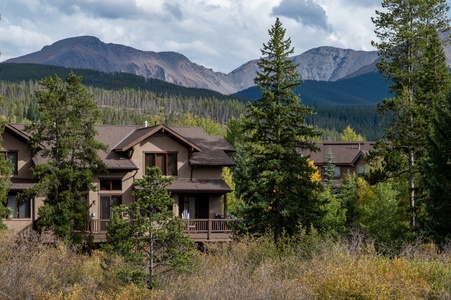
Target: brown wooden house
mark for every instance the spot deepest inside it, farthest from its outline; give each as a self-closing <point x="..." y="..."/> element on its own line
<point x="191" y="156"/>
<point x="347" y="158"/>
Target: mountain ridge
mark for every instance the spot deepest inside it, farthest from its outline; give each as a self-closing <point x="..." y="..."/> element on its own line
<point x="88" y="52"/>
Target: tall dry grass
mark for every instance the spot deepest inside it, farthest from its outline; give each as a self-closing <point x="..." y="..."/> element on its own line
<point x="307" y="268"/>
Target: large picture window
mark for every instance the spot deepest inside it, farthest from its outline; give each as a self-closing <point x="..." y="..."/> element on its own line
<point x="18" y="209"/>
<point x="167" y="162"/>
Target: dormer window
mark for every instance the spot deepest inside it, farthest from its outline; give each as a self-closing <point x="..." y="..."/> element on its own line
<point x="166" y="161"/>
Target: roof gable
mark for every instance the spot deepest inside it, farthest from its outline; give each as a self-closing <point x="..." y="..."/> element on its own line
<point x="18" y="131"/>
<point x="140" y="134"/>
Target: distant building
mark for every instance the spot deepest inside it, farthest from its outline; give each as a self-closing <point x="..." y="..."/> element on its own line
<point x="347" y="159"/>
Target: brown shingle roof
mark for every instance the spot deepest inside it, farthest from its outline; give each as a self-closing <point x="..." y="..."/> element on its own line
<point x="111" y="135"/>
<point x="182" y="185"/>
<point x="344" y="153"/>
<point x="18" y="184"/>
<point x="214" y="147"/>
<point x="200" y="137"/>
<point x="208" y="150"/>
<point x="211" y="158"/>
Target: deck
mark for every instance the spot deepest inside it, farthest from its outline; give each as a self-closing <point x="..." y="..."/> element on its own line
<point x="199" y="230"/>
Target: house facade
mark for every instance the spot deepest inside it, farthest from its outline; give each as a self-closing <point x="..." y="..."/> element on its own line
<point x="191" y="156"/>
<point x="347" y="158"/>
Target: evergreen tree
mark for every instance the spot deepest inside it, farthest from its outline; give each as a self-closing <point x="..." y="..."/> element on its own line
<point x="147" y="234"/>
<point x="329" y="169"/>
<point x="66" y="128"/>
<point x="406" y="28"/>
<point x="436" y="171"/>
<point x="5" y="172"/>
<point x="272" y="177"/>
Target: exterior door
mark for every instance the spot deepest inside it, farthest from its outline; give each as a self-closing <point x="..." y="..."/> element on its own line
<point x="107" y="203"/>
<point x="194" y="207"/>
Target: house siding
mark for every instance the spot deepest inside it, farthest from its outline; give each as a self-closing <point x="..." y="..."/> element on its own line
<point x="204" y="182"/>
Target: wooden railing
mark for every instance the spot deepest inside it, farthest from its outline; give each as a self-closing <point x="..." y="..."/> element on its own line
<point x="197" y="229"/>
<point x="99" y="225"/>
<point x="205" y="225"/>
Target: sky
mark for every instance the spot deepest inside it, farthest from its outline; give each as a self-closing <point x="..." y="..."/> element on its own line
<point x="217" y="34"/>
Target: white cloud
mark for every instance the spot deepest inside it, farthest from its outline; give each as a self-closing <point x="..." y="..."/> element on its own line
<point x="218" y="34"/>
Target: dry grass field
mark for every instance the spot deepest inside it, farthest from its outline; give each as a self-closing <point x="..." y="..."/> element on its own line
<point x="308" y="268"/>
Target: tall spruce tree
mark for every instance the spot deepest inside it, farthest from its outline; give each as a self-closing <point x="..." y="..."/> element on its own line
<point x="272" y="177"/>
<point x="436" y="170"/>
<point x="66" y="129"/>
<point x="405" y="29"/>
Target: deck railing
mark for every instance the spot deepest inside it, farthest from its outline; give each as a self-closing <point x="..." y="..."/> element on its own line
<point x="197" y="229"/>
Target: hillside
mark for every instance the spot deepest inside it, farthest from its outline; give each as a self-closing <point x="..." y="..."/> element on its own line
<point x="15" y="72"/>
<point x="124" y="97"/>
<point x="363" y="90"/>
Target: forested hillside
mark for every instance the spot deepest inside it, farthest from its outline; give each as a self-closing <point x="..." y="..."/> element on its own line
<point x="363" y="90"/>
<point x="14" y="72"/>
<point x="123" y="106"/>
<point x="129" y="99"/>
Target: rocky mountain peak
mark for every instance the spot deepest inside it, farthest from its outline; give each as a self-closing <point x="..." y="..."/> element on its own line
<point x="89" y="52"/>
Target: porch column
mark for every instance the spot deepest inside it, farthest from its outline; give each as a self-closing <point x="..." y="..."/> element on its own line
<point x="225" y="206"/>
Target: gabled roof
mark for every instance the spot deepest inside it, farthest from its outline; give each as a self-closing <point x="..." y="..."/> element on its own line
<point x="215" y="148"/>
<point x="140" y="134"/>
<point x="344" y="153"/>
<point x="207" y="150"/>
<point x="18" y="130"/>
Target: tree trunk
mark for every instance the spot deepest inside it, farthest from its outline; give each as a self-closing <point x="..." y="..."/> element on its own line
<point x="412" y="189"/>
<point x="151" y="266"/>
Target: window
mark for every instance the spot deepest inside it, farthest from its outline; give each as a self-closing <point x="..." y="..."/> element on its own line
<point x="167" y="162"/>
<point x="360" y="170"/>
<point x="337" y="172"/>
<point x="12" y="156"/>
<point x="111" y="184"/>
<point x="18" y="209"/>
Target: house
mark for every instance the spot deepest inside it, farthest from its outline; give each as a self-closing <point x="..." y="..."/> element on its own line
<point x="15" y="147"/>
<point x="192" y="157"/>
<point x="347" y="158"/>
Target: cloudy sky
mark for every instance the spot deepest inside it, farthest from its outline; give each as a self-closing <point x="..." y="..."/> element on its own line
<point x="218" y="34"/>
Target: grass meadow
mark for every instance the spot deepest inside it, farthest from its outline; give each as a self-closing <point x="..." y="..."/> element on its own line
<point x="308" y="267"/>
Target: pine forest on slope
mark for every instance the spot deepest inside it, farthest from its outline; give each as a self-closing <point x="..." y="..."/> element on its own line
<point x="129" y="99"/>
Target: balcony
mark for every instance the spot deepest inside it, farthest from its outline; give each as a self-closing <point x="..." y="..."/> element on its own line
<point x="199" y="230"/>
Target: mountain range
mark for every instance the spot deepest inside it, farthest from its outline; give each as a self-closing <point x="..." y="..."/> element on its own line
<point x="88" y="52"/>
<point x="332" y="76"/>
